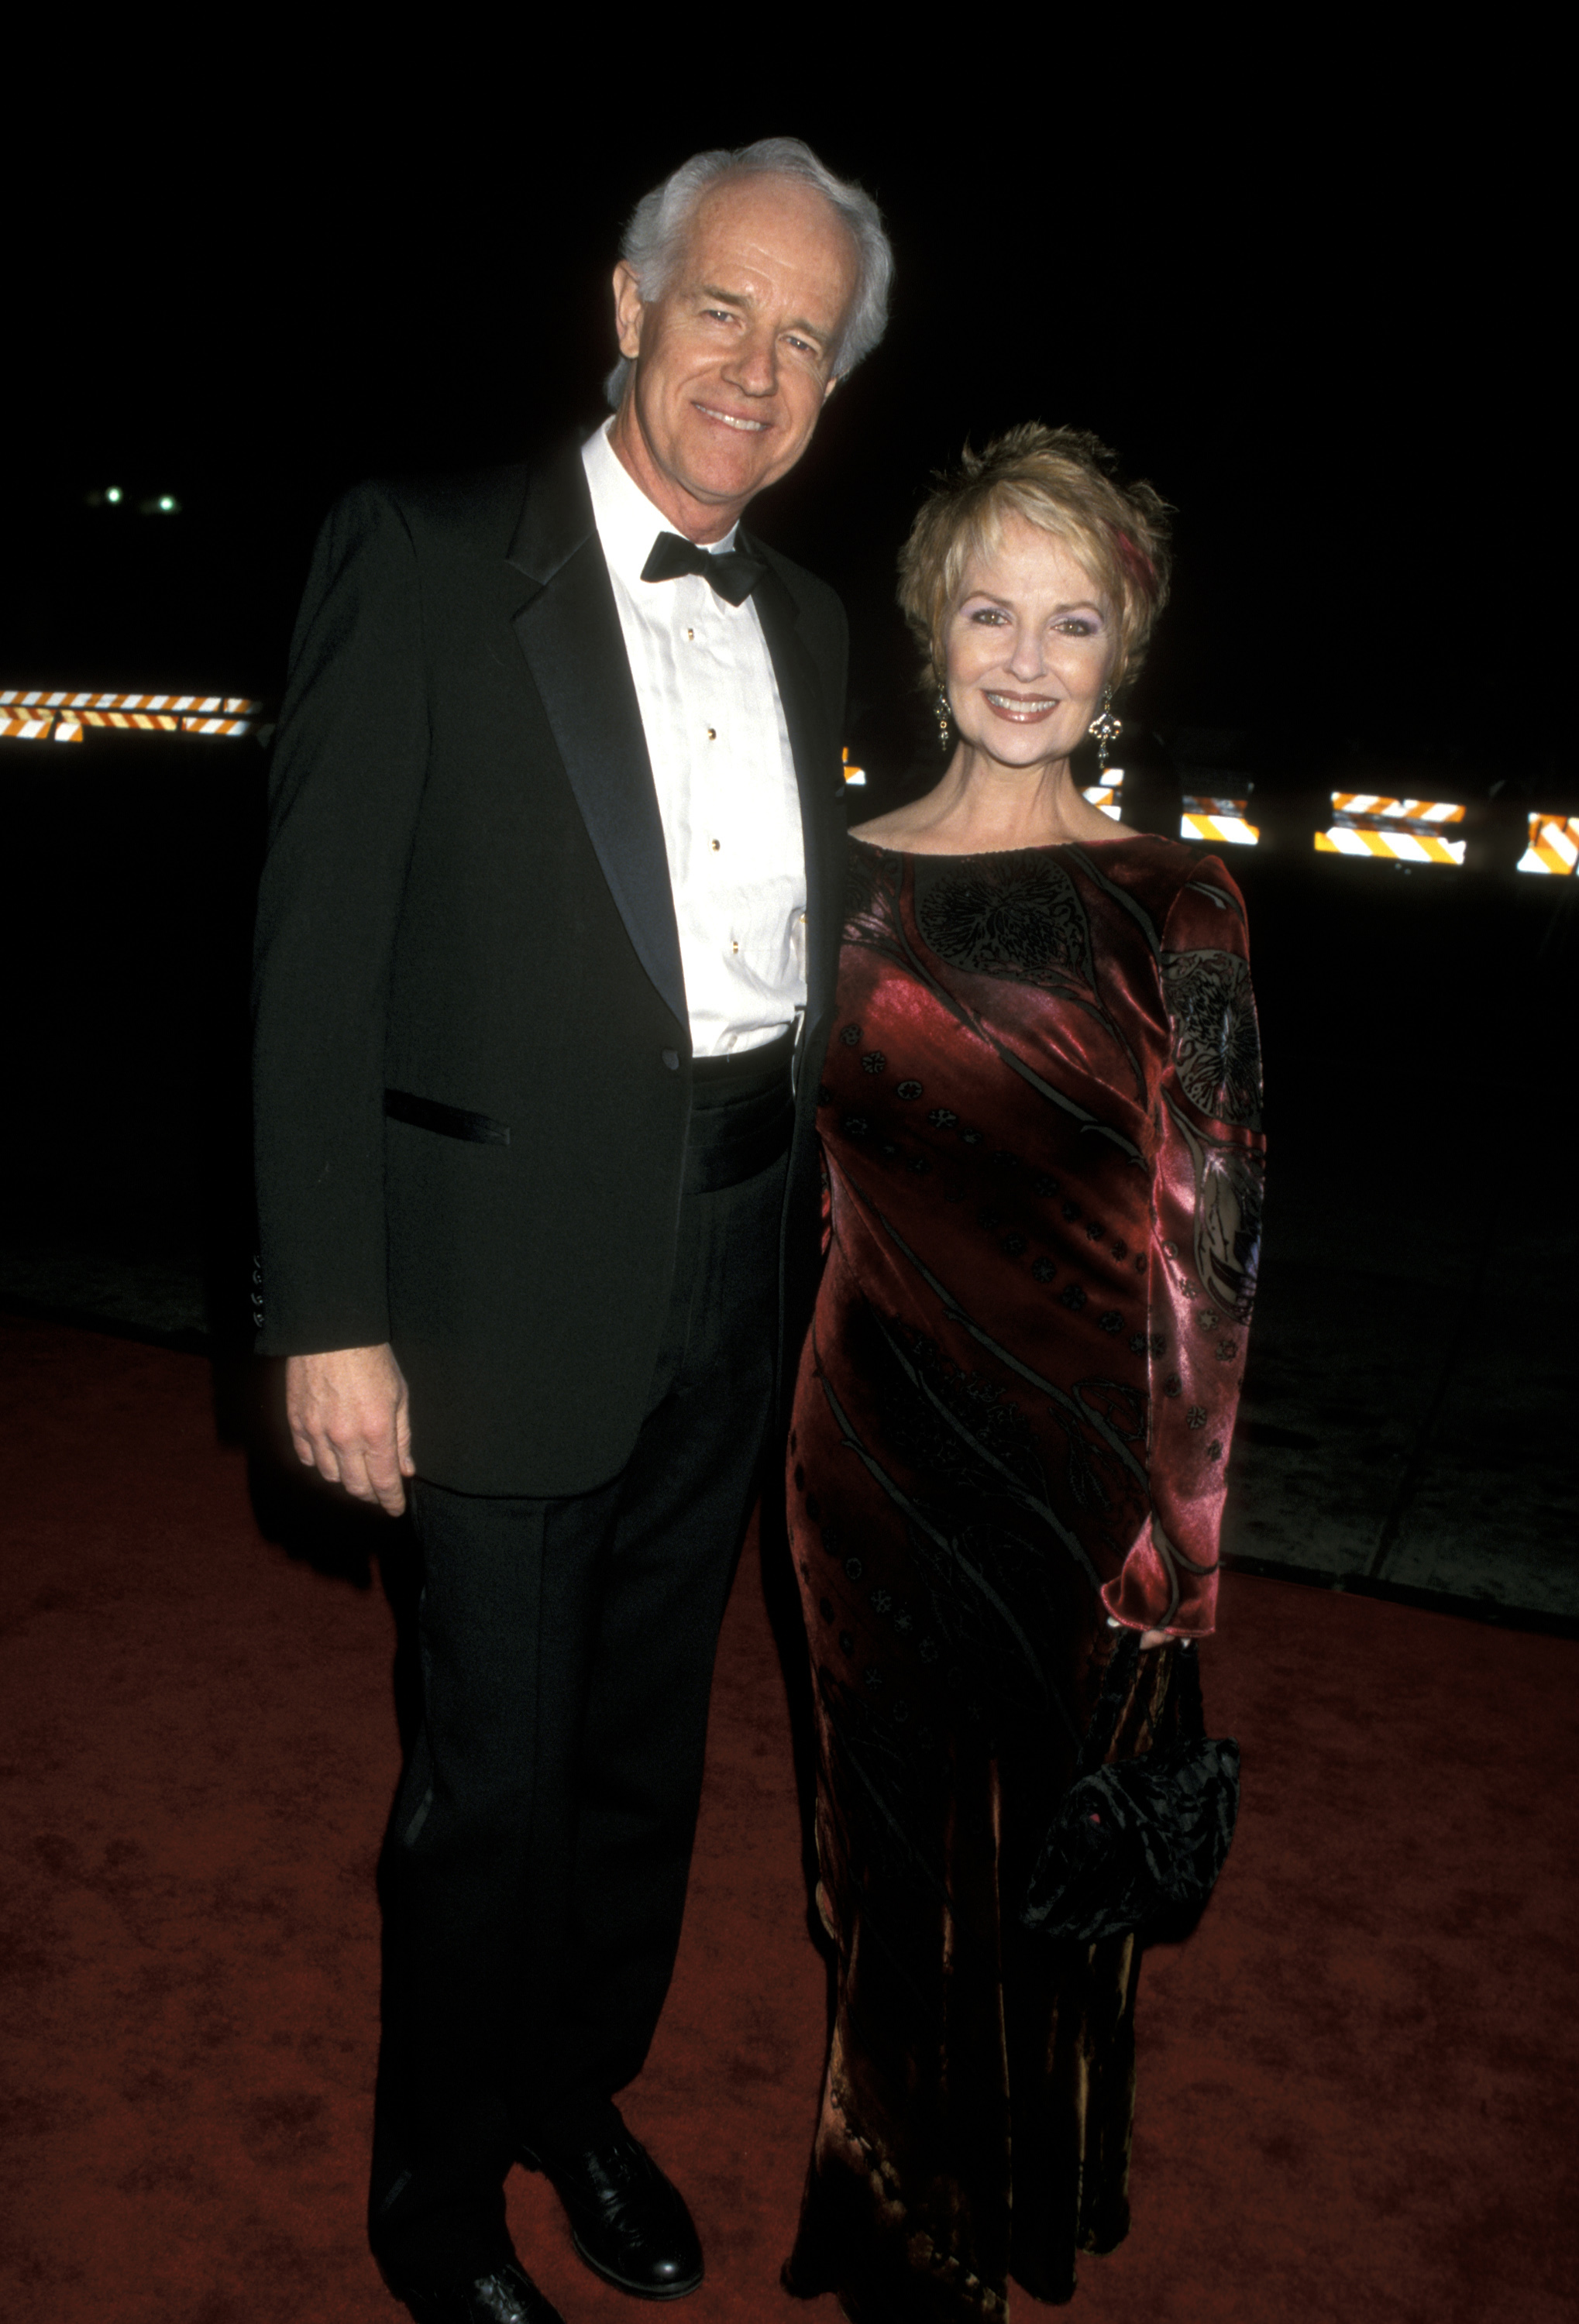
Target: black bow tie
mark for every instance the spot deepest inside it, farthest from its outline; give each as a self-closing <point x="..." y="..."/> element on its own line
<point x="731" y="571"/>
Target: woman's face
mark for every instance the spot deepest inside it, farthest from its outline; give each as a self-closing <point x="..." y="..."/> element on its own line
<point x="1029" y="645"/>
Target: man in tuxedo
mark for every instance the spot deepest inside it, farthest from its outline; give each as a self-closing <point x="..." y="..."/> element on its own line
<point x="547" y="944"/>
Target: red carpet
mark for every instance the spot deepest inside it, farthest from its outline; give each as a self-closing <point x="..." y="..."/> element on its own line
<point x="1357" y="2081"/>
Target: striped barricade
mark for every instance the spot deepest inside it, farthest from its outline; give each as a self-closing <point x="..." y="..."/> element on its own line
<point x="142" y="722"/>
<point x="35" y="714"/>
<point x="1401" y="831"/>
<point x="227" y="706"/>
<point x="1213" y="820"/>
<point x="1554" y="845"/>
<point x="853" y="773"/>
<point x="1106" y="796"/>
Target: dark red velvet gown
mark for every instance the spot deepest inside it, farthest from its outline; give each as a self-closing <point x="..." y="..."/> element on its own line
<point x="1041" y="1119"/>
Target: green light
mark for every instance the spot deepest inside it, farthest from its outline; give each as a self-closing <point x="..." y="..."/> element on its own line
<point x="114" y="494"/>
<point x="166" y="503"/>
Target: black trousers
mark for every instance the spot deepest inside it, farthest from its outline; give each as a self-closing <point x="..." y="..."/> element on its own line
<point x="533" y="1877"/>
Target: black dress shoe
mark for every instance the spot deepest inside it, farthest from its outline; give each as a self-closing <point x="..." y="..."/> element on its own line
<point x="627" y="2221"/>
<point x="508" y="2296"/>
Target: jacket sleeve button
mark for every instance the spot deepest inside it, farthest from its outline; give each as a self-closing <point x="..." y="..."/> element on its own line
<point x="671" y="1060"/>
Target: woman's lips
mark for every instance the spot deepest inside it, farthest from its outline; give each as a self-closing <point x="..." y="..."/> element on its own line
<point x="1025" y="709"/>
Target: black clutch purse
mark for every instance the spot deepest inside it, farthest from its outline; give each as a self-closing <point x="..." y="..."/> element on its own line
<point x="1139" y="1843"/>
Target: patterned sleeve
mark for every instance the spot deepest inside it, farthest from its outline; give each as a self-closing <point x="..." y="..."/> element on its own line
<point x="1205" y="1235"/>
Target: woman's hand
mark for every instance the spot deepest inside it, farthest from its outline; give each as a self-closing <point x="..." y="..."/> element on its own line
<point x="1148" y="1637"/>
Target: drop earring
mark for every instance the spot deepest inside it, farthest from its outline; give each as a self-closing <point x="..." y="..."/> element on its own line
<point x="1106" y="728"/>
<point x="942" y="709"/>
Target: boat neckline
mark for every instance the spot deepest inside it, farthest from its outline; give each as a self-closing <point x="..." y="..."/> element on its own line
<point x="983" y="854"/>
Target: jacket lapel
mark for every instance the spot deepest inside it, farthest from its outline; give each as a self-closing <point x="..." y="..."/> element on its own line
<point x="569" y="631"/>
<point x="816" y="776"/>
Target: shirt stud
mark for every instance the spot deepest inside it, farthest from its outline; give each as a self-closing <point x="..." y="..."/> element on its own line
<point x="712" y="733"/>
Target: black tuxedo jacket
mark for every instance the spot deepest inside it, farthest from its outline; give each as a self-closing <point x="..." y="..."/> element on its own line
<point x="466" y="903"/>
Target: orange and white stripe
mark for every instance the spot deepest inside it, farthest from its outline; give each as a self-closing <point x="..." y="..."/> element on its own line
<point x="229" y="706"/>
<point x="1106" y="796"/>
<point x="1369" y="803"/>
<point x="1401" y="831"/>
<point x="34" y="714"/>
<point x="1214" y="819"/>
<point x="1554" y="843"/>
<point x="147" y="721"/>
<point x="853" y="773"/>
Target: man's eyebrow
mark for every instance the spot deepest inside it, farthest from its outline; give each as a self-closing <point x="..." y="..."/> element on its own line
<point x="744" y="299"/>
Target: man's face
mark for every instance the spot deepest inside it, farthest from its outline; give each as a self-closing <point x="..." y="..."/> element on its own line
<point x="733" y="363"/>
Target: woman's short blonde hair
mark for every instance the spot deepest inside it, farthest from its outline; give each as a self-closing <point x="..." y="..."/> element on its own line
<point x="1058" y="479"/>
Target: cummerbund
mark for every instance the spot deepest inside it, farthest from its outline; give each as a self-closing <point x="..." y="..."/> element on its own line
<point x="743" y="1110"/>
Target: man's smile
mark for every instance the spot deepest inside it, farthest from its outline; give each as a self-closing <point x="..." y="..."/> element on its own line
<point x="734" y="419"/>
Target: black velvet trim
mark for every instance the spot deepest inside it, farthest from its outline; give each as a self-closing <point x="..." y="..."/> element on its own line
<point x="448" y="1120"/>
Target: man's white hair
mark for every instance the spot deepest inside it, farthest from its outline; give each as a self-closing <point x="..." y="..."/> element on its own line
<point x="654" y="240"/>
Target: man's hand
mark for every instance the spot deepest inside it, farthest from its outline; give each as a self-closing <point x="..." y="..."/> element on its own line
<point x="350" y="1420"/>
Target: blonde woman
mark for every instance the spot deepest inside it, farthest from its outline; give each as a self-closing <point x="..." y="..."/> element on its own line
<point x="1041" y="1124"/>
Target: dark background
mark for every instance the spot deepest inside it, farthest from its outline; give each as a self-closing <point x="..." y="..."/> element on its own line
<point x="1314" y="294"/>
<point x="1320" y="311"/>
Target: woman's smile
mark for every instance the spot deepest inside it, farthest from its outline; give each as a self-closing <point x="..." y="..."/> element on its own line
<point x="1025" y="709"/>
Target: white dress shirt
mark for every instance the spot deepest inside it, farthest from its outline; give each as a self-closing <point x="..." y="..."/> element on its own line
<point x="723" y="771"/>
